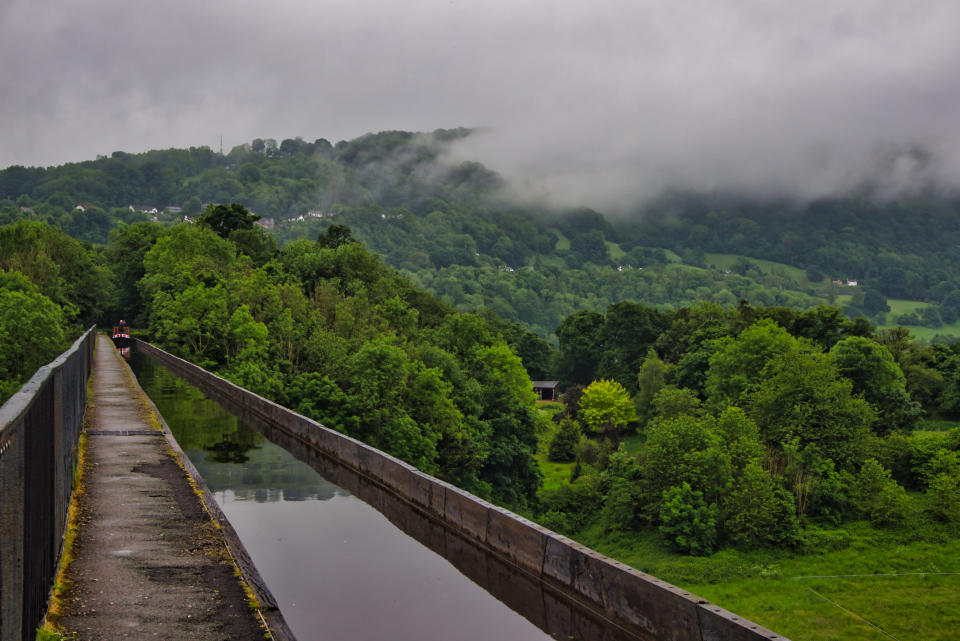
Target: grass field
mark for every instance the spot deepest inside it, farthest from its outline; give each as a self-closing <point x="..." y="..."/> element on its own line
<point x="724" y="261"/>
<point x="563" y="243"/>
<point x="899" y="306"/>
<point x="554" y="474"/>
<point x="614" y="251"/>
<point x="870" y="591"/>
<point x="875" y="587"/>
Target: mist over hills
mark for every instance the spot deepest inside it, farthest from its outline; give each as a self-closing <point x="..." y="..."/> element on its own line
<point x="459" y="228"/>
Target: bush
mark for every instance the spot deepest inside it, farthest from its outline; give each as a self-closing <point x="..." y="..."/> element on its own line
<point x="878" y="496"/>
<point x="563" y="447"/>
<point x="756" y="510"/>
<point x="814" y="540"/>
<point x="831" y="494"/>
<point x="556" y="521"/>
<point x="943" y="498"/>
<point x="572" y="505"/>
<point x="588" y="451"/>
<point x="687" y="522"/>
<point x="620" y="507"/>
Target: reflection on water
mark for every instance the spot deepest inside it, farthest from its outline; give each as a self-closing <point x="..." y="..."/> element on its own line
<point x="344" y="558"/>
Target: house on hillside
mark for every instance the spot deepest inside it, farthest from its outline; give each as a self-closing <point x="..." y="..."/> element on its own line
<point x="546" y="390"/>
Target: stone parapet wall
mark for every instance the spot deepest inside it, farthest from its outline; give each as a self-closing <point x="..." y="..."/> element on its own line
<point x="39" y="429"/>
<point x="637" y="601"/>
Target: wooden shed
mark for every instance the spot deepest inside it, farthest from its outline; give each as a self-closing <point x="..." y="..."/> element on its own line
<point x="546" y="390"/>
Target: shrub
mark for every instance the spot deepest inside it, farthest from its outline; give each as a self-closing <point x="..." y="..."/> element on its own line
<point x="815" y="540"/>
<point x="563" y="447"/>
<point x="687" y="522"/>
<point x="878" y="496"/>
<point x="831" y="494"/>
<point x="588" y="451"/>
<point x="756" y="510"/>
<point x="556" y="521"/>
<point x="943" y="498"/>
<point x="573" y="504"/>
<point x="620" y="506"/>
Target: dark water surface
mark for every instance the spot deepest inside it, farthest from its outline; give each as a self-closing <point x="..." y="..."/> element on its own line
<point x="339" y="568"/>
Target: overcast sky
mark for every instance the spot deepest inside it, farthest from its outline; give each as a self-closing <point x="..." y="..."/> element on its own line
<point x="593" y="102"/>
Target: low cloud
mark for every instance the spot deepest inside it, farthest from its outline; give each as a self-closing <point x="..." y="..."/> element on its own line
<point x="601" y="104"/>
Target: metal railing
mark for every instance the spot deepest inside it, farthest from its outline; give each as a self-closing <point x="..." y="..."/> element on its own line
<point x="39" y="429"/>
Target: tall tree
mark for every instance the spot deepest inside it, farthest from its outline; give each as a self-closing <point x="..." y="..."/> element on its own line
<point x="875" y="374"/>
<point x="225" y="219"/>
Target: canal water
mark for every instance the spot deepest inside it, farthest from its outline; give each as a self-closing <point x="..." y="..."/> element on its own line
<point x="342" y="568"/>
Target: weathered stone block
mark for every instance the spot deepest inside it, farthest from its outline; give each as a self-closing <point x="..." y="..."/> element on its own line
<point x="396" y="475"/>
<point x="586" y="573"/>
<point x="557" y="559"/>
<point x="422" y="490"/>
<point x="348" y="451"/>
<point x="279" y="414"/>
<point x="466" y="512"/>
<point x="369" y="461"/>
<point x="648" y="604"/>
<point x="518" y="539"/>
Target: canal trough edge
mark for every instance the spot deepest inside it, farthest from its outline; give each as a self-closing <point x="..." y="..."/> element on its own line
<point x="270" y="614"/>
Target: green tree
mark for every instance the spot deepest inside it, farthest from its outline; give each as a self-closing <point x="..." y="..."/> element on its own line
<point x="687" y="522"/>
<point x="31" y="332"/>
<point x="950" y="307"/>
<point x="563" y="446"/>
<point x="509" y="408"/>
<point x="802" y="396"/>
<point x="64" y="270"/>
<point x="225" y="219"/>
<point x="255" y="243"/>
<point x="193" y="322"/>
<point x="874" y="303"/>
<point x="878" y="496"/>
<point x="737" y="367"/>
<point x="606" y="408"/>
<point x="335" y="236"/>
<point x="757" y="510"/>
<point x="651" y="378"/>
<point x="943" y="498"/>
<point x="671" y="402"/>
<point x="580" y="340"/>
<point x="125" y="251"/>
<point x="684" y="449"/>
<point x="629" y="330"/>
<point x="875" y="374"/>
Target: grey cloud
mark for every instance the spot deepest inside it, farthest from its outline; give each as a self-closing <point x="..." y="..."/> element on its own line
<point x="601" y="103"/>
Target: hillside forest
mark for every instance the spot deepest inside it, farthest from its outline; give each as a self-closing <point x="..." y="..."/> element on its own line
<point x="449" y="227"/>
<point x="720" y="391"/>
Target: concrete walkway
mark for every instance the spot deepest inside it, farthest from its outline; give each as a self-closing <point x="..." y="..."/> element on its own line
<point x="149" y="563"/>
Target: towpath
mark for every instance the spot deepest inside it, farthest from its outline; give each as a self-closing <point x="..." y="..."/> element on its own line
<point x="149" y="562"/>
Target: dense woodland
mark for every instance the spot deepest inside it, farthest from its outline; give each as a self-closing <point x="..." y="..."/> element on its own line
<point x="712" y="406"/>
<point x="752" y="425"/>
<point x="449" y="228"/>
